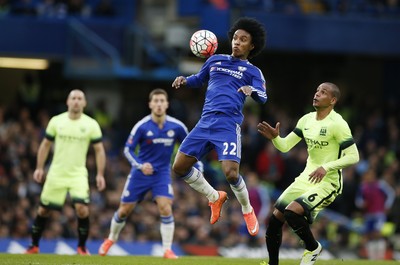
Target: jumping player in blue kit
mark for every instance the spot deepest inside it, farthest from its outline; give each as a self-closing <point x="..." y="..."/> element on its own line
<point x="230" y="79"/>
<point x="156" y="135"/>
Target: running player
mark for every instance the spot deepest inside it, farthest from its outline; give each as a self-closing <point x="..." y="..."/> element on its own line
<point x="156" y="135"/>
<point x="331" y="148"/>
<point x="72" y="132"/>
<point x="230" y="79"/>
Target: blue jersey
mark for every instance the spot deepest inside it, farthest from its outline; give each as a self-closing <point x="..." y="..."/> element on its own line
<point x="155" y="145"/>
<point x="225" y="74"/>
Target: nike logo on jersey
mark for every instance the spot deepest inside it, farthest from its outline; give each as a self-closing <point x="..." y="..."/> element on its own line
<point x="219" y="63"/>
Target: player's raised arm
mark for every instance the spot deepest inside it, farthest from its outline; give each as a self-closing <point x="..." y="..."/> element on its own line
<point x="266" y="130"/>
<point x="178" y="82"/>
<point x="271" y="133"/>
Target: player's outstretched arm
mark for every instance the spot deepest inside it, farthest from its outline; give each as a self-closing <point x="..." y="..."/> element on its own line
<point x="282" y="144"/>
<point x="179" y="81"/>
<point x="266" y="130"/>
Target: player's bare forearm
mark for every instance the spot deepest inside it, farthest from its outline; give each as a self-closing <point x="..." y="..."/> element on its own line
<point x="100" y="182"/>
<point x="43" y="153"/>
<point x="38" y="175"/>
<point x="100" y="164"/>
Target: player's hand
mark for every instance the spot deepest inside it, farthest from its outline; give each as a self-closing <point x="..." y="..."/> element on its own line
<point x="317" y="175"/>
<point x="179" y="81"/>
<point x="100" y="182"/>
<point x="147" y="169"/>
<point x="38" y="175"/>
<point x="267" y="130"/>
<point x="246" y="90"/>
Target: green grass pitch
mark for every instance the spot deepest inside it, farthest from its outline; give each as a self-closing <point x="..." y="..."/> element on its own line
<point x="52" y="259"/>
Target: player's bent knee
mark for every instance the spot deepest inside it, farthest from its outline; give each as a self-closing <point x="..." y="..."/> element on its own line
<point x="231" y="176"/>
<point x="290" y="215"/>
<point x="274" y="227"/>
<point x="43" y="212"/>
<point x="82" y="211"/>
<point x="181" y="169"/>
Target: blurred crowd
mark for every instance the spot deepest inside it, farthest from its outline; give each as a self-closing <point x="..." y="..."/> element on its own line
<point x="366" y="8"/>
<point x="267" y="173"/>
<point x="57" y="8"/>
<point x="107" y="8"/>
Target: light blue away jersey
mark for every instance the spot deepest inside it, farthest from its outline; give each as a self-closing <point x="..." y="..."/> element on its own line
<point x="225" y="75"/>
<point x="155" y="145"/>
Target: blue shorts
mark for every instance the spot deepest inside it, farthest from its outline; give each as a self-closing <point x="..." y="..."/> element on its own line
<point x="373" y="222"/>
<point x="219" y="132"/>
<point x="138" y="184"/>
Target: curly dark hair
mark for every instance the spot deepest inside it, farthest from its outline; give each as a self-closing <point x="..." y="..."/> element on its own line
<point x="256" y="30"/>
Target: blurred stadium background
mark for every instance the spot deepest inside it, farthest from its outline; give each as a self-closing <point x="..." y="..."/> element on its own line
<point x="119" y="50"/>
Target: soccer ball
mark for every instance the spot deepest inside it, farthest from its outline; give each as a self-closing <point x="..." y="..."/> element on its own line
<point x="203" y="43"/>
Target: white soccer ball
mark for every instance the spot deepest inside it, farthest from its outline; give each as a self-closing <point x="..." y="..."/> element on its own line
<point x="203" y="43"/>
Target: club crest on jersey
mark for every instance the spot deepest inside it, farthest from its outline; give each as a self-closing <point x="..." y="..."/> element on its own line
<point x="322" y="132"/>
<point x="170" y="133"/>
<point x="242" y="68"/>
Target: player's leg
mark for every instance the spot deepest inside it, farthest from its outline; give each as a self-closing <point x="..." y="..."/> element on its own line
<point x="226" y="137"/>
<point x="183" y="167"/>
<point x="38" y="227"/>
<point x="193" y="176"/>
<point x="238" y="186"/>
<point x="195" y="146"/>
<point x="79" y="192"/>
<point x="196" y="180"/>
<point x="82" y="214"/>
<point x="294" y="215"/>
<point x="52" y="198"/>
<point x="117" y="224"/>
<point x="273" y="236"/>
<point x="300" y="213"/>
<point x="167" y="226"/>
<point x="133" y="192"/>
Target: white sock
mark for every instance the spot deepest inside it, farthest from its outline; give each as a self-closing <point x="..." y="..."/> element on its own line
<point x="167" y="228"/>
<point x="242" y="195"/>
<point x="196" y="180"/>
<point x="117" y="224"/>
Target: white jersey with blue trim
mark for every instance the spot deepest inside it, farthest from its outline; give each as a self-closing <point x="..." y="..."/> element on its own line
<point x="224" y="75"/>
<point x="155" y="145"/>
